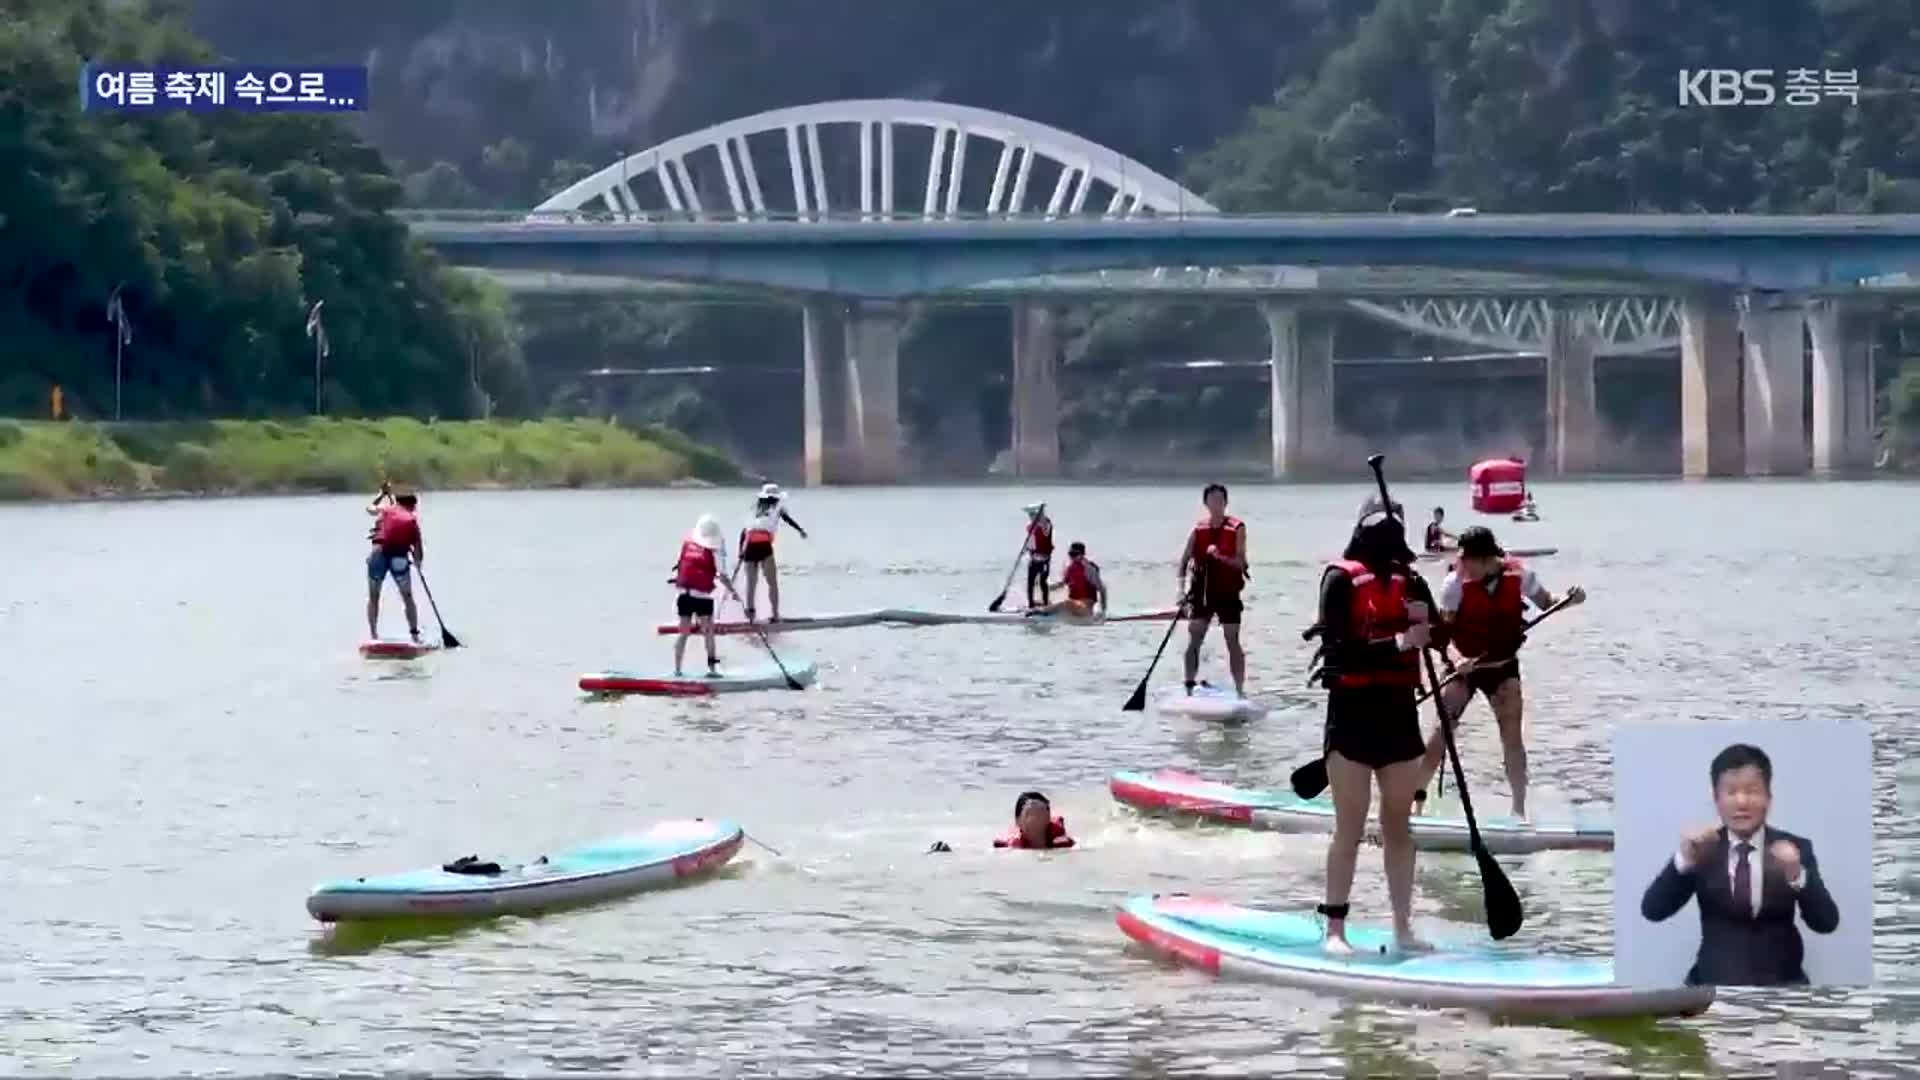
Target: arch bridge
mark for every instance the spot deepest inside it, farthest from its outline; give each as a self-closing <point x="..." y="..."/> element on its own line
<point x="855" y="158"/>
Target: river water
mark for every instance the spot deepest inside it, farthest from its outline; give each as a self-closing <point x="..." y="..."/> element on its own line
<point x="190" y="742"/>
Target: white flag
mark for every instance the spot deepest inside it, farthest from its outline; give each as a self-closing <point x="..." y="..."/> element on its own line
<point x="117" y="314"/>
<point x="317" y="330"/>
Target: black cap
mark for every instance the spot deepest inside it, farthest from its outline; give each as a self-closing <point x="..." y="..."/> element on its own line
<point x="1477" y="542"/>
<point x="1076" y="548"/>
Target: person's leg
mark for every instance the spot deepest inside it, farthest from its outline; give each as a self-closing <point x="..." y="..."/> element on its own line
<point x="753" y="588"/>
<point x="373" y="609"/>
<point x="1236" y="657"/>
<point x="773" y="588"/>
<point x="1509" y="711"/>
<point x="1352" y="785"/>
<point x="1196" y="633"/>
<point x="1036" y="576"/>
<point x="713" y="651"/>
<point x="1397" y="784"/>
<point x="680" y="641"/>
<point x="404" y="582"/>
<point x="1454" y="697"/>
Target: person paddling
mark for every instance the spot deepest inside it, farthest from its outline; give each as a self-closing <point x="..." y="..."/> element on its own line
<point x="1086" y="592"/>
<point x="1438" y="538"/>
<point x="1483" y="602"/>
<point x="1216" y="552"/>
<point x="396" y="540"/>
<point x="756" y="546"/>
<point x="1039" y="555"/>
<point x="1373" y="621"/>
<point x="700" y="569"/>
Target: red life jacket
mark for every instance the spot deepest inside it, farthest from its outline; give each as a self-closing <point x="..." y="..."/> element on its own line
<point x="1488" y="623"/>
<point x="698" y="569"/>
<point x="1080" y="581"/>
<point x="1378" y="612"/>
<point x="1220" y="580"/>
<point x="1056" y="836"/>
<point x="1040" y="538"/>
<point x="397" y="530"/>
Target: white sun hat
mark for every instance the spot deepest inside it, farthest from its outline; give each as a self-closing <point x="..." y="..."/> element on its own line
<point x="706" y="533"/>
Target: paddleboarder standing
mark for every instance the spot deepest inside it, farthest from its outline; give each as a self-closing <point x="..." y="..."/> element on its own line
<point x="1039" y="555"/>
<point x="698" y="573"/>
<point x="1216" y="553"/>
<point x="756" y="546"/>
<point x="1373" y="621"/>
<point x="1483" y="602"/>
<point x="396" y="540"/>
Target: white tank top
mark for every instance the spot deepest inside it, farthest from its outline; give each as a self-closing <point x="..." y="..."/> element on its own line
<point x="769" y="521"/>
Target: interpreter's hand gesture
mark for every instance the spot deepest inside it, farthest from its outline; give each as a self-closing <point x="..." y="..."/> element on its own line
<point x="1698" y="844"/>
<point x="1786" y="855"/>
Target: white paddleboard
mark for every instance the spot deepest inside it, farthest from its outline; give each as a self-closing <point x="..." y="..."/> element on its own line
<point x="1208" y="703"/>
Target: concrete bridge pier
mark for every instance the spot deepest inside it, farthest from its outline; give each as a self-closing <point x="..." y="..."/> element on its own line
<point x="824" y="392"/>
<point x="1843" y="405"/>
<point x="1573" y="424"/>
<point x="1301" y="383"/>
<point x="873" y="390"/>
<point x="1710" y="417"/>
<point x="1036" y="389"/>
<point x="1775" y="404"/>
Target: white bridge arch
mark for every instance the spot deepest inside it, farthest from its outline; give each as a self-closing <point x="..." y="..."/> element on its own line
<point x="723" y="164"/>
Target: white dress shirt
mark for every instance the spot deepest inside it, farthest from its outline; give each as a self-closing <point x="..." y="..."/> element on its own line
<point x="1755" y="861"/>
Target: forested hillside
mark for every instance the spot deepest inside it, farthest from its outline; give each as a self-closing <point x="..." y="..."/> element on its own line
<point x="225" y="226"/>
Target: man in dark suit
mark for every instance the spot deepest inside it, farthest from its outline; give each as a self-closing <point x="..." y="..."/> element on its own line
<point x="1748" y="881"/>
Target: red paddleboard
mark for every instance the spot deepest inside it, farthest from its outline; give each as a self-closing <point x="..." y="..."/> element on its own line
<point x="390" y="649"/>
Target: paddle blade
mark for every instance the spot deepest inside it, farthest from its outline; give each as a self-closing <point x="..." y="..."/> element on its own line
<point x="1138" y="702"/>
<point x="447" y="640"/>
<point x="997" y="601"/>
<point x="1504" y="914"/>
<point x="1310" y="780"/>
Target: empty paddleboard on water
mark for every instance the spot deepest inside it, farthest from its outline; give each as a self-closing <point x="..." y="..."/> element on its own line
<point x="1177" y="793"/>
<point x="668" y="852"/>
<point x="763" y="676"/>
<point x="395" y="649"/>
<point x="1208" y="703"/>
<point x="787" y="625"/>
<point x="1222" y="938"/>
<point x="911" y="617"/>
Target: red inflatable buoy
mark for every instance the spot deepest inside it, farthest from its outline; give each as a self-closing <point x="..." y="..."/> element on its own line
<point x="1499" y="485"/>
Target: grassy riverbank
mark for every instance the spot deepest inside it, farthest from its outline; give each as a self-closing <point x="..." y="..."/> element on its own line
<point x="44" y="460"/>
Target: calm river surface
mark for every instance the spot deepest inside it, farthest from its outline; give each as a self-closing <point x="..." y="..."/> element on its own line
<point x="189" y="742"/>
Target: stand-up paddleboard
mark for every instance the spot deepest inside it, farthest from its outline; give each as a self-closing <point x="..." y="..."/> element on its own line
<point x="912" y="617"/>
<point x="786" y="625"/>
<point x="695" y="684"/>
<point x="1218" y="937"/>
<point x="1182" y="794"/>
<point x="668" y="852"/>
<point x="1208" y="703"/>
<point x="394" y="649"/>
<point x="1518" y="553"/>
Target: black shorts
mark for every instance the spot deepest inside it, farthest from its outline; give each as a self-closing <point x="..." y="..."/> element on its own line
<point x="1375" y="726"/>
<point x="1224" y="608"/>
<point x="1488" y="680"/>
<point x="696" y="607"/>
<point x="757" y="551"/>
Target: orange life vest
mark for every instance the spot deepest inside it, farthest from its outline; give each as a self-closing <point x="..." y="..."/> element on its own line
<point x="1040" y="538"/>
<point x="1220" y="580"/>
<point x="396" y="531"/>
<point x="1377" y="612"/>
<point x="1488" y="623"/>
<point x="697" y="570"/>
<point x="1056" y="836"/>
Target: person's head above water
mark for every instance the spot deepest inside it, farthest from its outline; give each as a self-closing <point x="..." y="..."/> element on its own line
<point x="1033" y="817"/>
<point x="1215" y="498"/>
<point x="1439" y="513"/>
<point x="1480" y="554"/>
<point x="1076" y="550"/>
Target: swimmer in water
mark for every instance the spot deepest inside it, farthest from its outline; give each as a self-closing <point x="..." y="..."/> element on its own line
<point x="1035" y="825"/>
<point x="1438" y="538"/>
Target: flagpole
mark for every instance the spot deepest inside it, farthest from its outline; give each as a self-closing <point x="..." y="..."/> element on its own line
<point x="318" y="332"/>
<point x="117" y="315"/>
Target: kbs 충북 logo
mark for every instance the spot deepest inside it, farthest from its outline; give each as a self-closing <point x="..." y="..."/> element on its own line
<point x="1760" y="86"/>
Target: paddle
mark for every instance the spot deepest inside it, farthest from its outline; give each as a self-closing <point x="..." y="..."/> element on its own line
<point x="792" y="683"/>
<point x="1310" y="780"/>
<point x="1504" y="914"/>
<point x="447" y="640"/>
<point x="1025" y="543"/>
<point x="1179" y="612"/>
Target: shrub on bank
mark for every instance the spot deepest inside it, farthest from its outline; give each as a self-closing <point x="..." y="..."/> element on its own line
<point x="68" y="460"/>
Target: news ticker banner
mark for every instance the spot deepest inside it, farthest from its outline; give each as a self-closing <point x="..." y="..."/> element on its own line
<point x="142" y="88"/>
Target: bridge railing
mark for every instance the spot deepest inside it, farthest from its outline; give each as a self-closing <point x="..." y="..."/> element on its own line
<point x="668" y="217"/>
